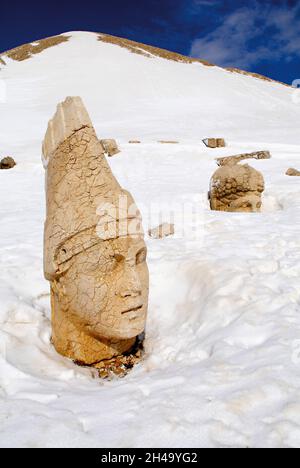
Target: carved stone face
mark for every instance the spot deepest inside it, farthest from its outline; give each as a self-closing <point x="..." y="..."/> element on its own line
<point x="94" y="250"/>
<point x="246" y="204"/>
<point x="105" y="289"/>
<point x="236" y="188"/>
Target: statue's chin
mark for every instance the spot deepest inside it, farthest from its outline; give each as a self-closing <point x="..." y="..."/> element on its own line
<point x="130" y="325"/>
<point x="124" y="334"/>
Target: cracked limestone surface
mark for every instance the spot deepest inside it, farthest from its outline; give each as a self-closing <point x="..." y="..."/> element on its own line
<point x="94" y="249"/>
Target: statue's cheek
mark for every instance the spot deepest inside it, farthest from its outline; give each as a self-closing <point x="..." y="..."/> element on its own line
<point x="69" y="288"/>
<point x="144" y="275"/>
<point x="101" y="295"/>
<point x="80" y="290"/>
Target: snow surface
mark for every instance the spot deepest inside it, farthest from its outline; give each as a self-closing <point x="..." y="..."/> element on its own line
<point x="223" y="336"/>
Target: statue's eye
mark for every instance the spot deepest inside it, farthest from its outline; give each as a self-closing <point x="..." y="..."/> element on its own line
<point x="141" y="256"/>
<point x="115" y="259"/>
<point x="111" y="263"/>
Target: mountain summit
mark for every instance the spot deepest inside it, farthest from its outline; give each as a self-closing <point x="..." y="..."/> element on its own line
<point x="138" y="91"/>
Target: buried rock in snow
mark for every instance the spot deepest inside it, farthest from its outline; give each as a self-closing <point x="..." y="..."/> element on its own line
<point x="232" y="160"/>
<point x="293" y="172"/>
<point x="214" y="142"/>
<point x="7" y="163"/>
<point x="168" y="142"/>
<point x="94" y="249"/>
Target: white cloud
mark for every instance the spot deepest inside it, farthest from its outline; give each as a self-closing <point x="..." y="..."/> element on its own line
<point x="251" y="35"/>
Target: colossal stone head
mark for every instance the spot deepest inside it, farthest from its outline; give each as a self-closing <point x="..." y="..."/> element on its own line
<point x="94" y="249"/>
<point x="236" y="188"/>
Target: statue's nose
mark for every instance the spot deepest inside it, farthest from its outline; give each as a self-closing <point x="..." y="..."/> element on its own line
<point x="130" y="285"/>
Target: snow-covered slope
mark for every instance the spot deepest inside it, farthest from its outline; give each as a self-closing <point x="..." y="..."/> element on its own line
<point x="222" y="363"/>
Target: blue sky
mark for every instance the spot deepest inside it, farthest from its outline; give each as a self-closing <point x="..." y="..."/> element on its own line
<point x="261" y="35"/>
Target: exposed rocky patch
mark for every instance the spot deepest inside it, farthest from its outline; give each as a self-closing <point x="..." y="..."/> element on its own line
<point x="26" y="51"/>
<point x="149" y="51"/>
<point x="254" y="75"/>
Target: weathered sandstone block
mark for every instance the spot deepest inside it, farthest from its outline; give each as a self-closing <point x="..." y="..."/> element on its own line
<point x="214" y="142"/>
<point x="293" y="172"/>
<point x="232" y="160"/>
<point x="7" y="163"/>
<point x="110" y="147"/>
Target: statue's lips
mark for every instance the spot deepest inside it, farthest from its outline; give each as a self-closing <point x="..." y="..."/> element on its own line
<point x="134" y="309"/>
